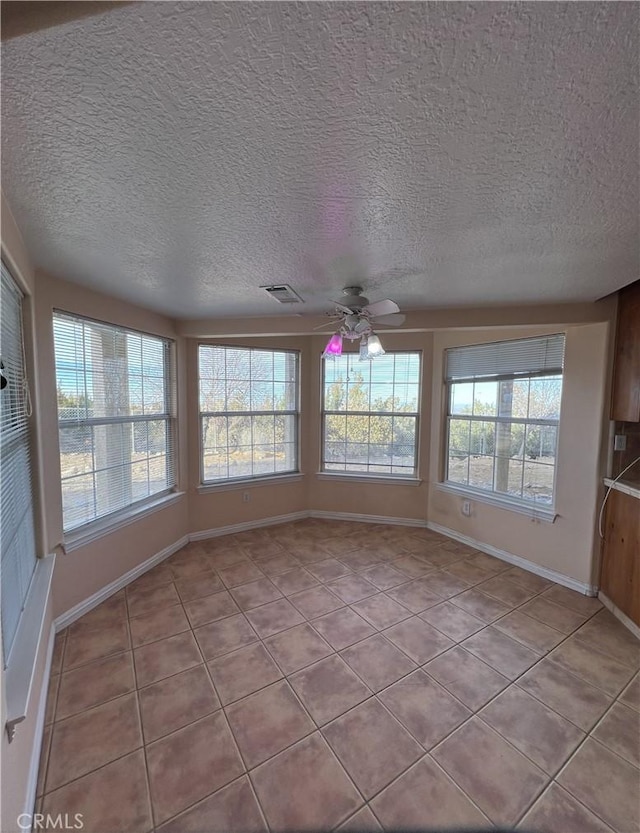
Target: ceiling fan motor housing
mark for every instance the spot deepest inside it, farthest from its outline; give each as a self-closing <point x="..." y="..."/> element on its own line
<point x="353" y="298"/>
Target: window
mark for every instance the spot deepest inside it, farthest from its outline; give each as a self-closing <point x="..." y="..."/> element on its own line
<point x="370" y="414"/>
<point x="18" y="559"/>
<point x="248" y="412"/>
<point x="503" y="414"/>
<point x="116" y="417"/>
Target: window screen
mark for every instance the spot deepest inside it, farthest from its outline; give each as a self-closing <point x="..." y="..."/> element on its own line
<point x="116" y="417"/>
<point x="248" y="412"/>
<point x="18" y="558"/>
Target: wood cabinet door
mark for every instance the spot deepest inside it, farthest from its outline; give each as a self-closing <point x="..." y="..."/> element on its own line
<point x="620" y="575"/>
<point x="625" y="400"/>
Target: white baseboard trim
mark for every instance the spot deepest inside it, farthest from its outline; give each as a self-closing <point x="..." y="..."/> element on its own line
<point x="108" y="590"/>
<point x="517" y="561"/>
<point x="34" y="763"/>
<point x="366" y="519"/>
<point x="203" y="534"/>
<point x="622" y="617"/>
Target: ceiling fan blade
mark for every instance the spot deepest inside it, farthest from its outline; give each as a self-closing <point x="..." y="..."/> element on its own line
<point x="386" y="307"/>
<point x="342" y="307"/>
<point x="335" y="324"/>
<point x="394" y="319"/>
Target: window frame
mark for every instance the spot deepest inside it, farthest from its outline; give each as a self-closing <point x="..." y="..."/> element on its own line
<point x="103" y="524"/>
<point x="227" y="483"/>
<point x="503" y="499"/>
<point x="412" y="477"/>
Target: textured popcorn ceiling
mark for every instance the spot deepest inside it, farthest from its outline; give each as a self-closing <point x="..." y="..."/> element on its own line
<point x="181" y="155"/>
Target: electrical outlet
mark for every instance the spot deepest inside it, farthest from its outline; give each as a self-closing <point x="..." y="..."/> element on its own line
<point x="466" y="508"/>
<point x="620" y="442"/>
<point x="246" y="497"/>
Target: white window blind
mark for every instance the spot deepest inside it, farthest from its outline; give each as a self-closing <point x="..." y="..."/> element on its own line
<point x="116" y="417"/>
<point x="248" y="412"/>
<point x="18" y="559"/>
<point x="542" y="355"/>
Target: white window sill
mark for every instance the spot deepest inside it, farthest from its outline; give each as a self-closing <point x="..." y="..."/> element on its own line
<point x="250" y="482"/>
<point x="397" y="480"/>
<point x="86" y="535"/>
<point x="531" y="510"/>
<point x="20" y="670"/>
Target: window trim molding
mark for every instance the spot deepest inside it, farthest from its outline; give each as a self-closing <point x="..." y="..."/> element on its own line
<point x="249" y="482"/>
<point x="531" y="510"/>
<point x="86" y="534"/>
<point x="387" y="480"/>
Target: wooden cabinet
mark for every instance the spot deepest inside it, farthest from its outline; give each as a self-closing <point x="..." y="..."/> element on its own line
<point x="625" y="400"/>
<point x="620" y="578"/>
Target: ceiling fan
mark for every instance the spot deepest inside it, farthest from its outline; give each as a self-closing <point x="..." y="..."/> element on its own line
<point x="357" y="317"/>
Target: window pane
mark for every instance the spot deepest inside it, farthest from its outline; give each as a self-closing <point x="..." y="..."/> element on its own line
<point x="485" y="399"/>
<point x="462" y="398"/>
<point x="538" y="482"/>
<point x="459" y="437"/>
<point x="544" y="398"/>
<point x="481" y="472"/>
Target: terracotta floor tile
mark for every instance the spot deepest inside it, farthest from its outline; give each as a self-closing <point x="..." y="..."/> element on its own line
<point x="256" y="593"/>
<point x="114" y="797"/>
<point x="88" y="645"/>
<point x="416" y="596"/>
<point x="226" y="556"/>
<point x="294" y="581"/>
<point x="339" y="546"/>
<point x="109" y="612"/>
<point x="441" y="558"/>
<point x="241" y="573"/>
<point x="530" y="632"/>
<point x="210" y="608"/>
<point x="446" y="585"/>
<point x="233" y="809"/>
<point x="604" y="633"/>
<point x="537" y="731"/>
<point x="553" y="615"/>
<point x="471" y="573"/>
<point x="316" y="601"/>
<point x="613" y="798"/>
<point x="175" y="702"/>
<point x="190" y="764"/>
<point x="620" y="732"/>
<point x="377" y="662"/>
<point x="328" y="689"/>
<point x="189" y="566"/>
<point x="529" y="580"/>
<point x="160" y="574"/>
<point x="418" y="640"/>
<point x="426" y="709"/>
<point x="372" y="746"/>
<point x="557" y="810"/>
<point x="88" y="740"/>
<point x="329" y="569"/>
<point x="262" y="548"/>
<point x="273" y="618"/>
<point x="425" y="795"/>
<point x="352" y="588"/>
<point x="488" y="562"/>
<point x="360" y="559"/>
<point x="343" y="628"/>
<point x="384" y="576"/>
<point x="226" y="635"/>
<point x="506" y="591"/>
<point x="362" y="820"/>
<point x="297" y="647"/>
<point x="466" y="677"/>
<point x="586" y="605"/>
<point x="381" y="611"/>
<point x="279" y="564"/>
<point x="165" y="657"/>
<point x="144" y="601"/>
<point x="309" y="551"/>
<point x="497" y="778"/>
<point x="598" y="669"/>
<point x="570" y="696"/>
<point x="59" y="644"/>
<point x="160" y="623"/>
<point x="195" y="588"/>
<point x="452" y="621"/>
<point x="631" y="695"/>
<point x="267" y="722"/>
<point x="319" y="793"/>
<point x="413" y="567"/>
<point x="95" y="683"/>
<point x="481" y="606"/>
<point x="242" y="672"/>
<point x="501" y="652"/>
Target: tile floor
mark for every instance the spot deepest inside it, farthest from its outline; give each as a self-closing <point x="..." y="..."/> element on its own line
<point x="330" y="675"/>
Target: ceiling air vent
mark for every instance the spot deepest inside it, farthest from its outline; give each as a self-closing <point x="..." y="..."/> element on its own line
<point x="283" y="294"/>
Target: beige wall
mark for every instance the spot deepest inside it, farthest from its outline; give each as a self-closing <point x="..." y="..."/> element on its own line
<point x="568" y="545"/>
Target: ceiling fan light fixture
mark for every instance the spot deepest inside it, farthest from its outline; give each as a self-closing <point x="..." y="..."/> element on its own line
<point x="374" y="347"/>
<point x="334" y="347"/>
